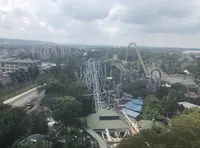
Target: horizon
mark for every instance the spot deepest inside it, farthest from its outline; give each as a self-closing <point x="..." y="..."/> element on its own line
<point x="79" y="44"/>
<point x="102" y="22"/>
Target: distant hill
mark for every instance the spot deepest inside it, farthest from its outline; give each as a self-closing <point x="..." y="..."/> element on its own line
<point x="20" y="41"/>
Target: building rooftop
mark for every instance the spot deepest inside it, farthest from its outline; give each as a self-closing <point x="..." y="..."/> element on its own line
<point x="131" y="113"/>
<point x="138" y="101"/>
<point x="188" y="105"/>
<point x="95" y="123"/>
<point x="133" y="107"/>
<point x="18" y="60"/>
<point x="107" y="113"/>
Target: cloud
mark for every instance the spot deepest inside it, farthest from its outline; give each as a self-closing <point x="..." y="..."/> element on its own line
<point x="86" y="10"/>
<point x="152" y="22"/>
<point x="43" y="24"/>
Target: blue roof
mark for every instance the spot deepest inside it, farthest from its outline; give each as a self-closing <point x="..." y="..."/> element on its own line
<point x="133" y="107"/>
<point x="131" y="113"/>
<point x="138" y="101"/>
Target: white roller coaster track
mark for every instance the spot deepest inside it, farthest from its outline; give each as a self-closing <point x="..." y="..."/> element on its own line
<point x="95" y="81"/>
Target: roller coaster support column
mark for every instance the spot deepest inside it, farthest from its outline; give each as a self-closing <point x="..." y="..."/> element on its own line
<point x="140" y="57"/>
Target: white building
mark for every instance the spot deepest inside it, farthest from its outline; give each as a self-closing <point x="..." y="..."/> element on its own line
<point x="193" y="53"/>
<point x="9" y="65"/>
<point x="188" y="105"/>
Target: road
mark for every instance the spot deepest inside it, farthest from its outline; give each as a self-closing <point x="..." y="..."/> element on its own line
<point x="24" y="98"/>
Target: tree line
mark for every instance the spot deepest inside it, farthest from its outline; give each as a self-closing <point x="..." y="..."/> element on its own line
<point x="183" y="131"/>
<point x="16" y="124"/>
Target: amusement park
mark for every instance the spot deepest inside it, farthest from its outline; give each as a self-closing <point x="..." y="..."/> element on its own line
<point x="101" y="98"/>
<point x="118" y="114"/>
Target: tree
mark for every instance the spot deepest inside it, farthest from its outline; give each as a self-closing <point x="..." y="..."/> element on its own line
<point x="169" y="105"/>
<point x="178" y="86"/>
<point x="188" y="123"/>
<point x="66" y="109"/>
<point x="38" y="124"/>
<point x="136" y="88"/>
<point x="33" y="72"/>
<point x="152" y="108"/>
<point x="61" y="85"/>
<point x="162" y="91"/>
<point x="183" y="132"/>
<point x="14" y="123"/>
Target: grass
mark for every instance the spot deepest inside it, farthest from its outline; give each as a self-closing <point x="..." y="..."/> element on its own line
<point x="7" y="94"/>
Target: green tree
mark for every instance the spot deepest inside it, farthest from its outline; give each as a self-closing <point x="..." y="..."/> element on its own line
<point x="38" y="124"/>
<point x="66" y="109"/>
<point x="14" y="123"/>
<point x="136" y="88"/>
<point x="61" y="85"/>
<point x="184" y="131"/>
<point x="33" y="72"/>
<point x="169" y="105"/>
<point x="178" y="87"/>
<point x="152" y="108"/>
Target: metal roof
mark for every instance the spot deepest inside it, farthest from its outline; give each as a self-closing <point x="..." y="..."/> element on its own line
<point x="95" y="123"/>
<point x="138" y="101"/>
<point x="107" y="112"/>
<point x="131" y="113"/>
<point x="133" y="107"/>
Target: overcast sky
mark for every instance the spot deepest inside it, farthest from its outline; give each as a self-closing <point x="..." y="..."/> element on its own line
<point x="172" y="23"/>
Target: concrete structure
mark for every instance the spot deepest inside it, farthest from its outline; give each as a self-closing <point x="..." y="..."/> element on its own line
<point x="188" y="105"/>
<point x="9" y="65"/>
<point x="45" y="66"/>
<point x="47" y="52"/>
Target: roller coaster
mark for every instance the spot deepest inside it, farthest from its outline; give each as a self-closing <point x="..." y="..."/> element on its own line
<point x="151" y="69"/>
<point x="95" y="80"/>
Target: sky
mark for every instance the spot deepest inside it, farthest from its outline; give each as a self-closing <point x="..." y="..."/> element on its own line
<point x="166" y="23"/>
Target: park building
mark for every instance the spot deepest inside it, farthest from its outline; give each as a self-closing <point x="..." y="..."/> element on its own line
<point x="9" y="65"/>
